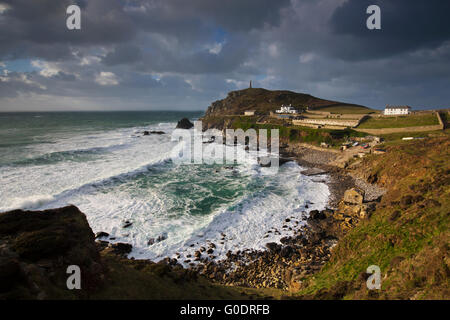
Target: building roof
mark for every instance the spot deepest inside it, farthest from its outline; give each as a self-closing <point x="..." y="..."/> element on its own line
<point x="398" y="107"/>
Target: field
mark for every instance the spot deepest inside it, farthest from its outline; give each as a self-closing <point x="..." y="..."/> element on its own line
<point x="399" y="121"/>
<point x="300" y="134"/>
<point x="346" y="109"/>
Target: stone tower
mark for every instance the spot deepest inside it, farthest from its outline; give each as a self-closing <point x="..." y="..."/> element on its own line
<point x="250" y="84"/>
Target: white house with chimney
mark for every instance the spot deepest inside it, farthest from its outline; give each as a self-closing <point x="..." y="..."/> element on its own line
<point x="396" y="110"/>
<point x="287" y="109"/>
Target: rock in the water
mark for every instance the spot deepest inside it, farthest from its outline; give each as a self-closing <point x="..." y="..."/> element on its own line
<point x="127" y="224"/>
<point x="184" y="124"/>
<point x="147" y="133"/>
<point x="101" y="234"/>
<point x="161" y="237"/>
<point x="354" y="196"/>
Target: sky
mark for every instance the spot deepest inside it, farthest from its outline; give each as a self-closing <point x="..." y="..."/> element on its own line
<point x="185" y="54"/>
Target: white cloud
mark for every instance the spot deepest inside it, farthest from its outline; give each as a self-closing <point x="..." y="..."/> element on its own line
<point x="3" y="7"/>
<point x="88" y="60"/>
<point x="307" y="57"/>
<point x="26" y="79"/>
<point x="273" y="50"/>
<point x="106" y="79"/>
<point x="238" y="83"/>
<point x="215" y="48"/>
<point x="47" y="69"/>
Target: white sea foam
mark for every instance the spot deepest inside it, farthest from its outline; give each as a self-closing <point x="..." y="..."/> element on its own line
<point x="108" y="190"/>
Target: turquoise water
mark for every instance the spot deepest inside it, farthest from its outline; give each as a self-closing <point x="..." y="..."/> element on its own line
<point x="102" y="163"/>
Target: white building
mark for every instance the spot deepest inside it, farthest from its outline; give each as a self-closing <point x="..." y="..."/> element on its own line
<point x="396" y="110"/>
<point x="249" y="113"/>
<point x="286" y="109"/>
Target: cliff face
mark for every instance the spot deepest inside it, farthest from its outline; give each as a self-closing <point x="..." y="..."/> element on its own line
<point x="36" y="248"/>
<point x="407" y="235"/>
<point x="262" y="101"/>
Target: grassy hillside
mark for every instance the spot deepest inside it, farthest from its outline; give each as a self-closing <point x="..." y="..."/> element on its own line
<point x="263" y="101"/>
<point x="428" y="119"/>
<point x="288" y="133"/>
<point x="408" y="236"/>
<point x="346" y="108"/>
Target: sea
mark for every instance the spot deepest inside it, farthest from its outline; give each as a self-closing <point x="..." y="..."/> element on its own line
<point x="102" y="163"/>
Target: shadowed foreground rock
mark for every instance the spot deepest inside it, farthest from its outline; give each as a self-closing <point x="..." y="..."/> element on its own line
<point x="36" y="247"/>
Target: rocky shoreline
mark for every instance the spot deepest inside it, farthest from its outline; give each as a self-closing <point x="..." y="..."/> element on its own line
<point x="284" y="265"/>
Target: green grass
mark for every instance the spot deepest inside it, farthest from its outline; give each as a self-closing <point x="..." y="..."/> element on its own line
<point x="411" y="248"/>
<point x="300" y="134"/>
<point x="349" y="109"/>
<point x="399" y="121"/>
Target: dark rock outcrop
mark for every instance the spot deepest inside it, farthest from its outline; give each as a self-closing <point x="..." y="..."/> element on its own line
<point x="184" y="124"/>
<point x="101" y="234"/>
<point x="121" y="249"/>
<point x="147" y="133"/>
<point x="36" y="248"/>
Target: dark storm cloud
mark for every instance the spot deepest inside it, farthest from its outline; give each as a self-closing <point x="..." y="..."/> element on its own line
<point x="406" y="25"/>
<point x="38" y="28"/>
<point x="179" y="54"/>
<point x="123" y="54"/>
<point x="232" y="15"/>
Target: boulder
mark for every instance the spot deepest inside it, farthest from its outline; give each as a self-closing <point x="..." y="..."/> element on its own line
<point x="36" y="248"/>
<point x="354" y="196"/>
<point x="9" y="273"/>
<point x="127" y="224"/>
<point x="101" y="234"/>
<point x="272" y="246"/>
<point x="121" y="248"/>
<point x="184" y="124"/>
<point x="161" y="237"/>
<point x="317" y="215"/>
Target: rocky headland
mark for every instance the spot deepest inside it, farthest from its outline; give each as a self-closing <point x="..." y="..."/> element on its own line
<point x="389" y="210"/>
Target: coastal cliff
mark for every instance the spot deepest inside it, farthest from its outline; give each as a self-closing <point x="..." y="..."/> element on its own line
<point x="262" y="102"/>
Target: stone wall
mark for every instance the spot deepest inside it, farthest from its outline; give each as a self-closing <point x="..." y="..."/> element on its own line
<point x="399" y="130"/>
<point x="330" y="122"/>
